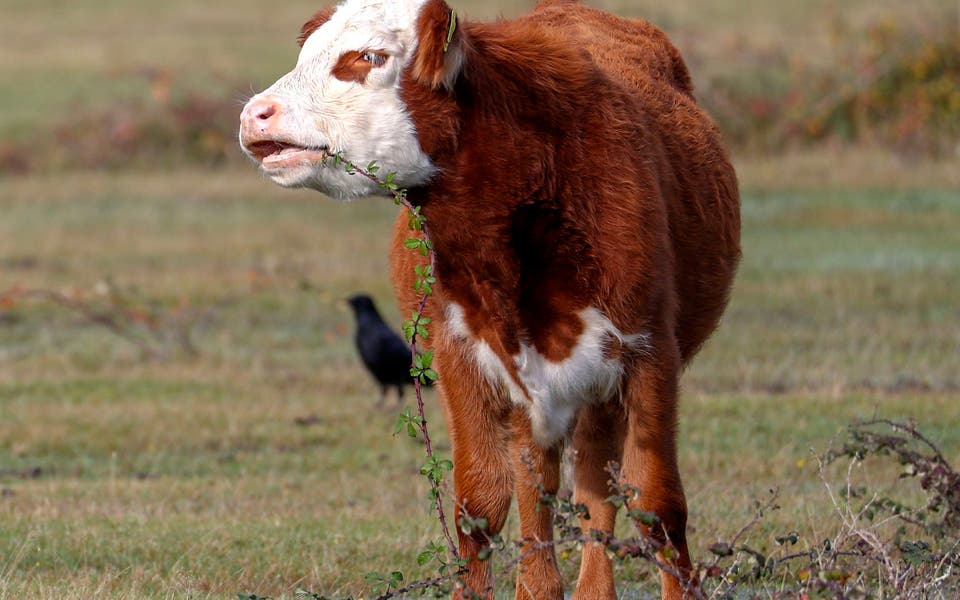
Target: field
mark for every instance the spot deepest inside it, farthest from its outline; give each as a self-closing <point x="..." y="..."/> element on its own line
<point x="231" y="443"/>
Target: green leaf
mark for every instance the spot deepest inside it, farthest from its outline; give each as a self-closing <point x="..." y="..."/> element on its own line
<point x="424" y="359"/>
<point x="403" y="419"/>
<point x="616" y="500"/>
<point x="408" y="330"/>
<point x="434" y="468"/>
<point x="424" y="280"/>
<point x="415" y="220"/>
<point x="408" y="421"/>
<point x="421" y="368"/>
<point x="417" y="324"/>
<point x="916" y="553"/>
<point x="792" y="538"/>
<point x="388" y="183"/>
<point x="721" y="549"/>
<point x="647" y="518"/>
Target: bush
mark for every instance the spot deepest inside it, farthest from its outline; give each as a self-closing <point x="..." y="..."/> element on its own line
<point x="891" y="87"/>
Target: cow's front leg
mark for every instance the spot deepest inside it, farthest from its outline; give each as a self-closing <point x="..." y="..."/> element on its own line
<point x="478" y="420"/>
<point x="536" y="471"/>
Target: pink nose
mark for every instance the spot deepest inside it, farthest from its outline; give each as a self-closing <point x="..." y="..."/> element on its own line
<point x="260" y="117"/>
<point x="261" y="109"/>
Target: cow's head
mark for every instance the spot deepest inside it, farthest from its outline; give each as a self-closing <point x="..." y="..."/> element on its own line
<point x="344" y="95"/>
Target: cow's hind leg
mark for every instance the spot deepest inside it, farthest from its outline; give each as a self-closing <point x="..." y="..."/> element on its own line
<point x="536" y="472"/>
<point x="597" y="442"/>
<point x="650" y="459"/>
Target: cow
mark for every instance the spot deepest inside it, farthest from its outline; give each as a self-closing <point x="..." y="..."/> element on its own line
<point x="585" y="219"/>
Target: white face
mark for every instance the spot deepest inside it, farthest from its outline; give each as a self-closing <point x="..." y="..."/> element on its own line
<point x="312" y="110"/>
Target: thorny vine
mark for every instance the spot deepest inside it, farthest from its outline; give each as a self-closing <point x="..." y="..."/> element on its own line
<point x="414" y="329"/>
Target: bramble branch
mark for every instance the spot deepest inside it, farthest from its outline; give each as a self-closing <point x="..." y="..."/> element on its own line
<point x="422" y="369"/>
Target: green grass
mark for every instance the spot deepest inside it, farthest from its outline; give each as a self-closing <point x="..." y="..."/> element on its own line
<point x="192" y="477"/>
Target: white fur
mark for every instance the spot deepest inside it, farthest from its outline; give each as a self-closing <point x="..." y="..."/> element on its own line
<point x="365" y="122"/>
<point x="554" y="391"/>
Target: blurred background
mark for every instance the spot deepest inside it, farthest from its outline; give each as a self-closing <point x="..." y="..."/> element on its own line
<point x="182" y="413"/>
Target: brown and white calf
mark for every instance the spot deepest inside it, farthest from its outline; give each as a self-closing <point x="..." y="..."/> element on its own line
<point x="586" y="223"/>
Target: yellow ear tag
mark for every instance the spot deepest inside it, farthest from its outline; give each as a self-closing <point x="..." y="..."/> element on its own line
<point x="451" y="28"/>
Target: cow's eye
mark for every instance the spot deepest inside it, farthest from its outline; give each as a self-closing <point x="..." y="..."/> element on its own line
<point x="376" y="59"/>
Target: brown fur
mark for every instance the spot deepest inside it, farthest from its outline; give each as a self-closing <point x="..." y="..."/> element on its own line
<point x="575" y="170"/>
<point x="316" y="21"/>
<point x="351" y="66"/>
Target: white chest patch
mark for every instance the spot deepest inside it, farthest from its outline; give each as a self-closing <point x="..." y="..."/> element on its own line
<point x="554" y="391"/>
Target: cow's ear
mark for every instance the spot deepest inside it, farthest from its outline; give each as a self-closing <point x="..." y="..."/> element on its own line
<point x="439" y="51"/>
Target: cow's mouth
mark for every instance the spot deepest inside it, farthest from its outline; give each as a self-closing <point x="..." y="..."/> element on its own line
<point x="277" y="155"/>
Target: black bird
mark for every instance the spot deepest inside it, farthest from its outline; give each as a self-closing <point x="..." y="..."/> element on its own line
<point x="385" y="354"/>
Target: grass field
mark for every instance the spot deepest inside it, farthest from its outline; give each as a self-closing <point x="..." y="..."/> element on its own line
<point x="192" y="477"/>
<point x="259" y="464"/>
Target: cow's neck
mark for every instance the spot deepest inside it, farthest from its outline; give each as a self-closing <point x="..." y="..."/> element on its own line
<point x="511" y="248"/>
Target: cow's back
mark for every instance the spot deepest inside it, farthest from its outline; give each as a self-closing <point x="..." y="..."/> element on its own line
<point x="628" y="50"/>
